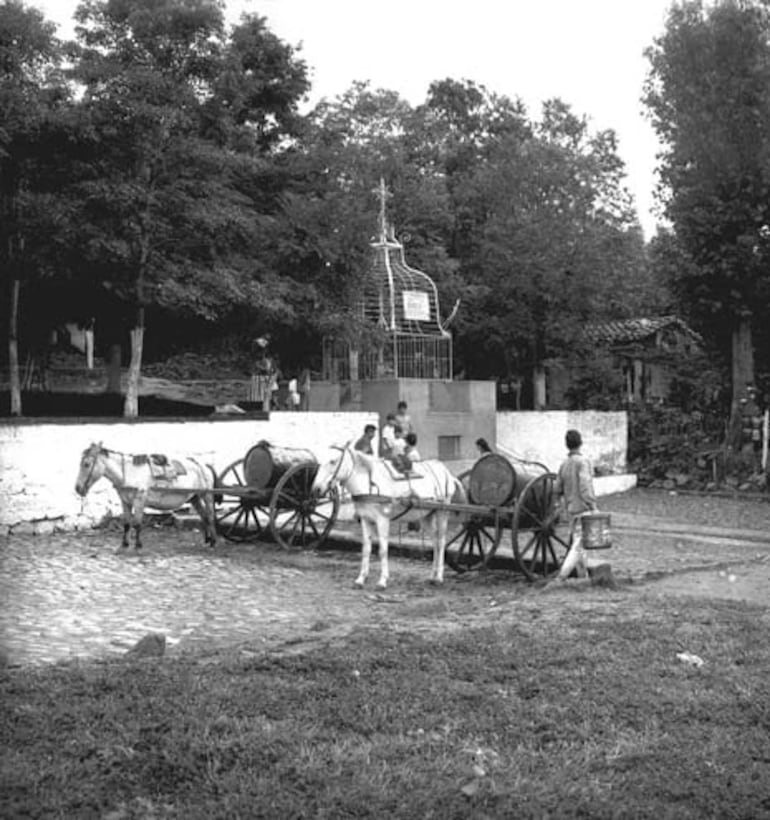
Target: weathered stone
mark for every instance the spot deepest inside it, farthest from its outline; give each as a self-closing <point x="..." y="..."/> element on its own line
<point x="71" y="523"/>
<point x="152" y="645"/>
<point x="44" y="527"/>
<point x="682" y="479"/>
<point x="669" y="484"/>
<point x="22" y="528"/>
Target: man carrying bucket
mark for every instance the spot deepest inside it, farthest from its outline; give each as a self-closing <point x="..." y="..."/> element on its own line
<point x="575" y="484"/>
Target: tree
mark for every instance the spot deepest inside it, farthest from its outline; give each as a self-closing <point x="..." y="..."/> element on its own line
<point x="551" y="240"/>
<point x="31" y="93"/>
<point x="183" y="122"/>
<point x="708" y="95"/>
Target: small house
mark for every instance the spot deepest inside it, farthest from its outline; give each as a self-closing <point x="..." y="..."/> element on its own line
<point x="643" y="352"/>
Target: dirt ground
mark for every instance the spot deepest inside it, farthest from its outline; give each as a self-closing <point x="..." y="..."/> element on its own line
<point x="75" y="596"/>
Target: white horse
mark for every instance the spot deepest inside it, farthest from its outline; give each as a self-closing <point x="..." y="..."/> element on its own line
<point x="381" y="495"/>
<point x="154" y="481"/>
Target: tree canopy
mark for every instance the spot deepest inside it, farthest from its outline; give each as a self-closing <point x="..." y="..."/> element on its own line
<point x="192" y="196"/>
<point x="708" y="94"/>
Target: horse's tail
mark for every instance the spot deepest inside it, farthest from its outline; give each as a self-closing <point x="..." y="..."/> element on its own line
<point x="458" y="496"/>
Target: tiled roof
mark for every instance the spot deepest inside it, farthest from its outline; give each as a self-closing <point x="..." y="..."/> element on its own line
<point x="634" y="330"/>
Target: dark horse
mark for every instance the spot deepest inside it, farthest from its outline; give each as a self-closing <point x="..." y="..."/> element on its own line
<point x="157" y="482"/>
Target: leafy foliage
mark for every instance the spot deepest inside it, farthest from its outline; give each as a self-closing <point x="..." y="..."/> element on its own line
<point x="707" y="94"/>
<point x="186" y="190"/>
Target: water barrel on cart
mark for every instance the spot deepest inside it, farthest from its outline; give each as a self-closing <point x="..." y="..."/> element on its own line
<point x="495" y="482"/>
<point x="264" y="464"/>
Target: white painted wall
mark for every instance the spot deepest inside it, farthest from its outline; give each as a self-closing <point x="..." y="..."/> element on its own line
<point x="39" y="462"/>
<point x="539" y="436"/>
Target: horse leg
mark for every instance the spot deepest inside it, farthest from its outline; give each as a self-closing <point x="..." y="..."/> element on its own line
<point x="440" y="524"/>
<point x="383" y="528"/>
<point x="139" y="503"/>
<point x="366" y="552"/>
<point x="126" y="522"/>
<point x="202" y="507"/>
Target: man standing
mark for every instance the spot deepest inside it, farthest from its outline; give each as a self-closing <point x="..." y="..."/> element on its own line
<point x="575" y="485"/>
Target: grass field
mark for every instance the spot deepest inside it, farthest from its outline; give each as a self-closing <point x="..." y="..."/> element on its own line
<point x="578" y="707"/>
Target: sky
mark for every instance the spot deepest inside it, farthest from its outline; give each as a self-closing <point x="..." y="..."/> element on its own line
<point x="587" y="52"/>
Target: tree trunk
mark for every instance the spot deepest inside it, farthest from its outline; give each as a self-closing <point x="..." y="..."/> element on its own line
<point x="742" y="356"/>
<point x="538" y="386"/>
<point x="131" y="406"/>
<point x="13" y="350"/>
<point x="89" y="337"/>
<point x="113" y="369"/>
<point x="742" y="374"/>
<point x="353" y="362"/>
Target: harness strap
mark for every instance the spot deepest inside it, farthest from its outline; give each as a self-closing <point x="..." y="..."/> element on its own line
<point x="374" y="497"/>
<point x="408" y="506"/>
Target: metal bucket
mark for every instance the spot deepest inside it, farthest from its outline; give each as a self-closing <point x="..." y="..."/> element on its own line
<point x="596" y="530"/>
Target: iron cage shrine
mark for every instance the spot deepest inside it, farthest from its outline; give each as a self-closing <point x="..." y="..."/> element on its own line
<point x="401" y="305"/>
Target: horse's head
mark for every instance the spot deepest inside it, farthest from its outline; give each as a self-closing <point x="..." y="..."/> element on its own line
<point x="91" y="468"/>
<point x="335" y="471"/>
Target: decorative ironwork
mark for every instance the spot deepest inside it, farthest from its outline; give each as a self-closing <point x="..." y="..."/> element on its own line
<point x="402" y="304"/>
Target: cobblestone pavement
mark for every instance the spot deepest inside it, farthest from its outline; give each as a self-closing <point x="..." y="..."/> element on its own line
<point x="75" y="595"/>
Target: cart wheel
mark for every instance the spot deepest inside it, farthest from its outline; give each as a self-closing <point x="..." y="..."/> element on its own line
<point x="298" y="517"/>
<point x="539" y="544"/>
<point x="475" y="544"/>
<point x="236" y="513"/>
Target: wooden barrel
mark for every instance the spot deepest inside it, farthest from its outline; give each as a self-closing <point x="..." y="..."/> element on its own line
<point x="264" y="464"/>
<point x="495" y="482"/>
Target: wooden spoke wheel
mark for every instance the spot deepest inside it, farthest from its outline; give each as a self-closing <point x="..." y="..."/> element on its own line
<point x="298" y="517"/>
<point x="238" y="512"/>
<point x="475" y="543"/>
<point x="540" y="542"/>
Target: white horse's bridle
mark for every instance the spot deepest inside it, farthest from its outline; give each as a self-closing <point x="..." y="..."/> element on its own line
<point x="335" y="476"/>
<point x="102" y="452"/>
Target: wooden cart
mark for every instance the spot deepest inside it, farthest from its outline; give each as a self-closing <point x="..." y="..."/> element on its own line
<point x="268" y="494"/>
<point x="509" y="498"/>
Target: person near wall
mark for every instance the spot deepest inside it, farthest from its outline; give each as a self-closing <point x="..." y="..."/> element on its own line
<point x="262" y="373"/>
<point x="364" y="444"/>
<point x="482" y="445"/>
<point x="411" y="451"/>
<point x="388" y="437"/>
<point x="402" y="418"/>
<point x="294" y="396"/>
<point x="751" y="425"/>
<point x="574" y="486"/>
